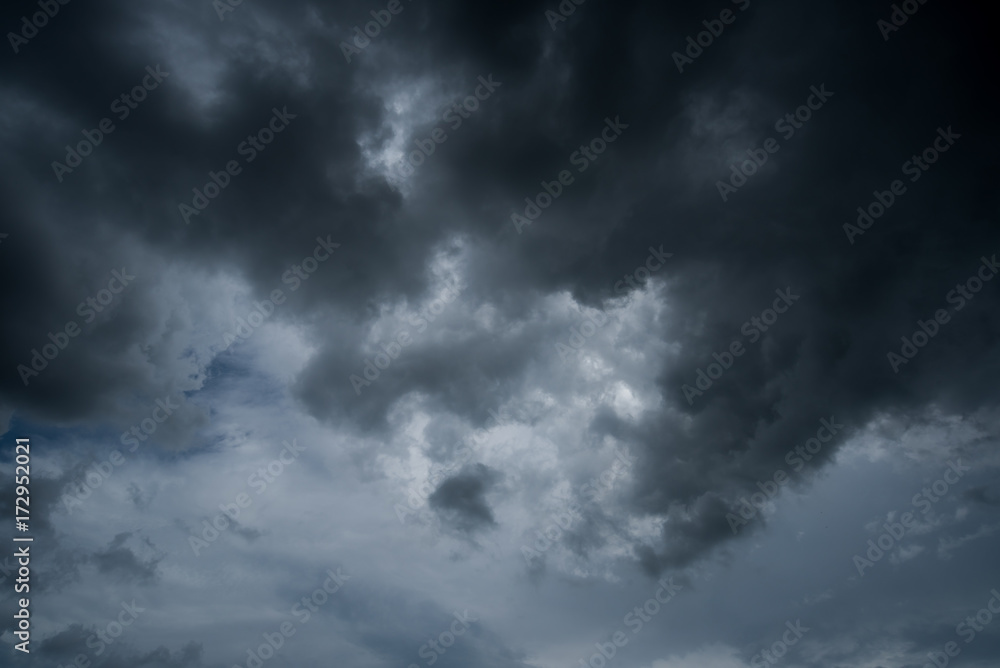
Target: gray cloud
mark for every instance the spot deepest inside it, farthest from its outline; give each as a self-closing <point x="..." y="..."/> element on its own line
<point x="331" y="173"/>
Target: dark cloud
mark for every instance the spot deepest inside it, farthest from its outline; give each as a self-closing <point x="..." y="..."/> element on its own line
<point x="984" y="494"/>
<point x="460" y="500"/>
<point x="118" y="560"/>
<point x="331" y="176"/>
<point x="71" y="642"/>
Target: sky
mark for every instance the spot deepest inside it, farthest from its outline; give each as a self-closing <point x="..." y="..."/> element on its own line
<point x="549" y="334"/>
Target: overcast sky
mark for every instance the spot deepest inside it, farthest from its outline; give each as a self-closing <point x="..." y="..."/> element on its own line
<point x="508" y="335"/>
